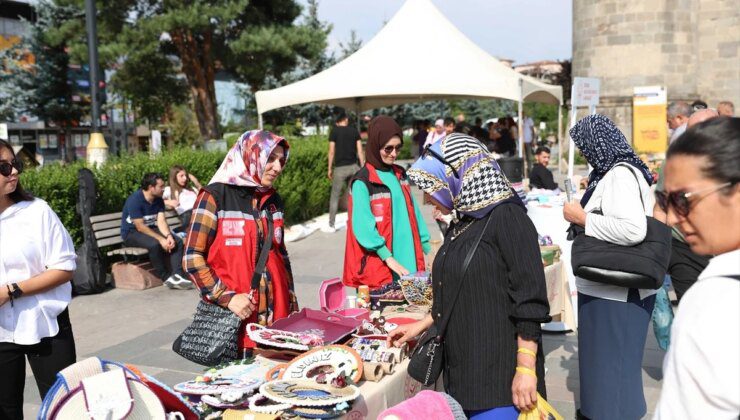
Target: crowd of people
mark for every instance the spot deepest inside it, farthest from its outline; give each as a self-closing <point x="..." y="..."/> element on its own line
<point x="234" y="253"/>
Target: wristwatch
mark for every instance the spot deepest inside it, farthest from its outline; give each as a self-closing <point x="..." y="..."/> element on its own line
<point x="15" y="291"/>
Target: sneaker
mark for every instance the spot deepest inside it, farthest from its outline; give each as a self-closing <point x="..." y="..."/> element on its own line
<point x="329" y="229"/>
<point x="177" y="281"/>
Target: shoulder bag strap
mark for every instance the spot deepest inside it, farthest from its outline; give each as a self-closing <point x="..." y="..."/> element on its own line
<point x="259" y="268"/>
<point x="639" y="190"/>
<point x="456" y="293"/>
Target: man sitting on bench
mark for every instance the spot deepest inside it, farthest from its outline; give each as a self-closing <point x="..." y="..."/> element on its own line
<point x="143" y="225"/>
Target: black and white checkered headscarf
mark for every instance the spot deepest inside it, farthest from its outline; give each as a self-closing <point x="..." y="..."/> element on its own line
<point x="604" y="146"/>
<point x="479" y="184"/>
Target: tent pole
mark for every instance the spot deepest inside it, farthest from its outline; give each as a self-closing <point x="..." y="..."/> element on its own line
<point x="521" y="133"/>
<point x="259" y="121"/>
<point x="560" y="138"/>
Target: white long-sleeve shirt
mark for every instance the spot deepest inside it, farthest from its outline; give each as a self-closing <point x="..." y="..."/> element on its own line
<point x="623" y="221"/>
<point x="33" y="240"/>
<point x="701" y="372"/>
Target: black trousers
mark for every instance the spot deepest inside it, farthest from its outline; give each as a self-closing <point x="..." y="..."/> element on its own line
<point x="158" y="256"/>
<point x="684" y="266"/>
<point x="46" y="358"/>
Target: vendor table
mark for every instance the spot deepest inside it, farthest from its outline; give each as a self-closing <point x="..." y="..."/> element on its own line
<point x="548" y="220"/>
<point x="558" y="295"/>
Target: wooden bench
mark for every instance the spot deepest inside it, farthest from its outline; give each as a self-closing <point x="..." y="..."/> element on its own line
<point x="133" y="272"/>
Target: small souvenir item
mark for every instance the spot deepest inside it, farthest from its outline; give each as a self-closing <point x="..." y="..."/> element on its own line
<point x="227" y="399"/>
<point x="243" y="369"/>
<point x="417" y="288"/>
<point x="216" y="386"/>
<point x="282" y="339"/>
<point x="261" y="404"/>
<point x="304" y="393"/>
<point x="335" y="360"/>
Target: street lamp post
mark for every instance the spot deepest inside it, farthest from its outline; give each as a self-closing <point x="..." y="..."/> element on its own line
<point x="97" y="149"/>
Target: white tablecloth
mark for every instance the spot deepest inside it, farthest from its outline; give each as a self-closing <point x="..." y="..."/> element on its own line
<point x="548" y="220"/>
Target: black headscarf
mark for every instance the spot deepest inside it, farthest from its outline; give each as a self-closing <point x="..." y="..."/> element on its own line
<point x="604" y="146"/>
<point x="379" y="132"/>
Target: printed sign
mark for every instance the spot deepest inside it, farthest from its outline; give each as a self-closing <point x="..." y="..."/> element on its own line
<point x="649" y="129"/>
<point x="585" y="91"/>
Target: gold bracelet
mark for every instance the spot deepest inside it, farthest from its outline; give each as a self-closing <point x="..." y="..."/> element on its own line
<point x="527" y="351"/>
<point x="525" y="370"/>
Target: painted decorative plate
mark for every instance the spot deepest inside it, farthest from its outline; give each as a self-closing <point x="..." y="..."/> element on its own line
<point x="282" y="339"/>
<point x="331" y="359"/>
<point x="329" y="412"/>
<point x="261" y="404"/>
<point x="217" y="386"/>
<point x="306" y="393"/>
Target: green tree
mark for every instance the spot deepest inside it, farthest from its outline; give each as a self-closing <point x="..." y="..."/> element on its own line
<point x="250" y="39"/>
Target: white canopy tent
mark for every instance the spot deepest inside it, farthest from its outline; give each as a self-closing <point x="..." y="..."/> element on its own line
<point x="386" y="71"/>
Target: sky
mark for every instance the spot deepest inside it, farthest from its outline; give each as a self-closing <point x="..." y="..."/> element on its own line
<point x="520" y="30"/>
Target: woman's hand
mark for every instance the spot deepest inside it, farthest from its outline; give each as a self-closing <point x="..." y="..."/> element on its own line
<point x="242" y="306"/>
<point x="524" y="391"/>
<point x="171" y="203"/>
<point x="396" y="266"/>
<point x="406" y="332"/>
<point x="574" y="213"/>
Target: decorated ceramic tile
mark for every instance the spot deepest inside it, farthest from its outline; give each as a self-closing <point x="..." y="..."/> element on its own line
<point x="305" y="393"/>
<point x="217" y="386"/>
<point x="282" y="339"/>
<point x="334" y="360"/>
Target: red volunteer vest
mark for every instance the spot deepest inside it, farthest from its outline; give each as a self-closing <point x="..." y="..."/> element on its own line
<point x="363" y="267"/>
<point x="234" y="251"/>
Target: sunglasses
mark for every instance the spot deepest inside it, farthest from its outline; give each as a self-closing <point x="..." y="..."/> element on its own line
<point x="389" y="149"/>
<point x="428" y="151"/>
<point x="6" y="168"/>
<point x="681" y="201"/>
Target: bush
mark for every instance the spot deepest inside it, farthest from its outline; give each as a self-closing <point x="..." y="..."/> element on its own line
<point x="303" y="185"/>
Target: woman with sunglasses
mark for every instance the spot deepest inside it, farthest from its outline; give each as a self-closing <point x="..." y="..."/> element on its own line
<point x="386" y="234"/>
<point x="701" y="372"/>
<point x="235" y="216"/>
<point x="37" y="260"/>
<point x="612" y="320"/>
<point x="494" y="363"/>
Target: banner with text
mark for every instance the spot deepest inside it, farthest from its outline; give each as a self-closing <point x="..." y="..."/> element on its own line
<point x="649" y="129"/>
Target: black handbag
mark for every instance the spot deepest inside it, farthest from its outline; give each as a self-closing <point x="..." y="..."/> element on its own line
<point x="640" y="266"/>
<point x="427" y="358"/>
<point x="211" y="338"/>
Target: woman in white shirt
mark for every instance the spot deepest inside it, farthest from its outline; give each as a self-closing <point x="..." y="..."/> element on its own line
<point x="181" y="193"/>
<point x="612" y="320"/>
<point x="37" y="259"/>
<point x="701" y="372"/>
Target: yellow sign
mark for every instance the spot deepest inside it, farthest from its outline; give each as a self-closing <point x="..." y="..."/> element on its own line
<point x="649" y="128"/>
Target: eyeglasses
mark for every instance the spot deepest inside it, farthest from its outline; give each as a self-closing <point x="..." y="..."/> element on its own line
<point x="681" y="201"/>
<point x="6" y="168"/>
<point x="389" y="149"/>
<point x="428" y="150"/>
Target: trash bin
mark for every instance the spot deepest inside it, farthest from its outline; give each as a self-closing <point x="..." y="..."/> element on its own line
<point x="513" y="168"/>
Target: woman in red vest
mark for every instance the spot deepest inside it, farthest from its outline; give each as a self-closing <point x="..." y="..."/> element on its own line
<point x="386" y="234"/>
<point x="232" y="217"/>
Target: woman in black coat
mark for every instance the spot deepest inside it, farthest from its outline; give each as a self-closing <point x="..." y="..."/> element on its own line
<point x="494" y="364"/>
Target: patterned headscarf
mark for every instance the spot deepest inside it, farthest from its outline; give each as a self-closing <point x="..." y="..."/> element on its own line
<point x="604" y="146"/>
<point x="481" y="185"/>
<point x="245" y="163"/>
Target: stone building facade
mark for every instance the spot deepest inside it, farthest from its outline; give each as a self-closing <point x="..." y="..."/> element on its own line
<point x="688" y="46"/>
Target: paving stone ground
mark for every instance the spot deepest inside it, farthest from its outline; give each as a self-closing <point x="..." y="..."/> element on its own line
<point x="138" y="327"/>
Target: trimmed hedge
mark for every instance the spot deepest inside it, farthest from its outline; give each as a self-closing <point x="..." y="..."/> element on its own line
<point x="303" y="185"/>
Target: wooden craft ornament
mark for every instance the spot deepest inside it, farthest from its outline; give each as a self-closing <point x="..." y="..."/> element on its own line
<point x="341" y="359"/>
<point x="306" y="393"/>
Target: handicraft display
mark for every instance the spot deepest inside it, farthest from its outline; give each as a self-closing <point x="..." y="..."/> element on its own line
<point x="283" y="339"/>
<point x="304" y="393"/>
<point x="333" y="361"/>
<point x="417" y="288"/>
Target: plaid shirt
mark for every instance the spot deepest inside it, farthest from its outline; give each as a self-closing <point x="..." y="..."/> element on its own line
<point x="203" y="227"/>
